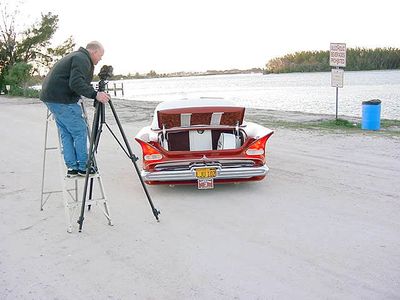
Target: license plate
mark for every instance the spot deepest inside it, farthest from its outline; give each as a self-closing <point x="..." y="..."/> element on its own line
<point x="206" y="173"/>
<point x="205" y="184"/>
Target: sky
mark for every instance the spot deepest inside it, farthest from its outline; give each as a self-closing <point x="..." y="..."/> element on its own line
<point x="195" y="36"/>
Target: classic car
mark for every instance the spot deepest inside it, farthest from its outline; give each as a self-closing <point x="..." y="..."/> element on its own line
<point x="202" y="141"/>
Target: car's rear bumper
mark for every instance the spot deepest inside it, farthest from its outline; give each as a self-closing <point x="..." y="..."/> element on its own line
<point x="190" y="174"/>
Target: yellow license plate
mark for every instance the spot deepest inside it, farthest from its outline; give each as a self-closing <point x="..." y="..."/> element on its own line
<point x="206" y="173"/>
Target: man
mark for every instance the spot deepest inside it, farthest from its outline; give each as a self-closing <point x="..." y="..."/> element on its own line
<point x="67" y="81"/>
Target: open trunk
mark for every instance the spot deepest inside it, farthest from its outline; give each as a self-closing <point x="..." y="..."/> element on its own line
<point x="202" y="140"/>
<point x="204" y="128"/>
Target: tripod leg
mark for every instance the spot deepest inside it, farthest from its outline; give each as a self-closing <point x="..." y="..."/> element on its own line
<point x="92" y="146"/>
<point x="133" y="158"/>
<point x="93" y="164"/>
<point x="90" y="192"/>
<point x="96" y="143"/>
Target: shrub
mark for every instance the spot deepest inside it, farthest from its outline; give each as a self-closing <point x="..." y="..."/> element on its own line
<point x="27" y="92"/>
<point x="18" y="75"/>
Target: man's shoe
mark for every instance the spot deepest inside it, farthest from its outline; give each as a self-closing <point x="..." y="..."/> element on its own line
<point x="83" y="172"/>
<point x="72" y="173"/>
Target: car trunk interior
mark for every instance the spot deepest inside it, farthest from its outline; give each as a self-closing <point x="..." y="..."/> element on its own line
<point x="184" y="135"/>
<point x="199" y="140"/>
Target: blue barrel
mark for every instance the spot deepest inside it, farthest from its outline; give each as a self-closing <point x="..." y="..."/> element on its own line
<point x="371" y="114"/>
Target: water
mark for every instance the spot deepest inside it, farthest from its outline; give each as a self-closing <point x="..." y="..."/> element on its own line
<point x="305" y="92"/>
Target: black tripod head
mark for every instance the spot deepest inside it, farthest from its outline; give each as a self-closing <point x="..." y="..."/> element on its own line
<point x="106" y="72"/>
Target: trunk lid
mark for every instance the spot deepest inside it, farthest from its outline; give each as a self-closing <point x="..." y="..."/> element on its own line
<point x="208" y="113"/>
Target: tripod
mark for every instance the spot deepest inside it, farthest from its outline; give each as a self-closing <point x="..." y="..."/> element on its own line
<point x="98" y="121"/>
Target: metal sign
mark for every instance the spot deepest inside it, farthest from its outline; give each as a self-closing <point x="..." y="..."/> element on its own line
<point x="337" y="78"/>
<point x="337" y="55"/>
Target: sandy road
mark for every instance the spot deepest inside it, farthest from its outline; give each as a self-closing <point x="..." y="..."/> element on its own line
<point x="325" y="224"/>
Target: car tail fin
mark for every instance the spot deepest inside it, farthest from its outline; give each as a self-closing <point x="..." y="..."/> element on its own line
<point x="257" y="148"/>
<point x="150" y="153"/>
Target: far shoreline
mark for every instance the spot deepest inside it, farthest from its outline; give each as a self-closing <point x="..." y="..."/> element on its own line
<point x="134" y="110"/>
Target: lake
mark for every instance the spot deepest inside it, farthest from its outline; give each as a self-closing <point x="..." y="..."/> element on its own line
<point x="305" y="92"/>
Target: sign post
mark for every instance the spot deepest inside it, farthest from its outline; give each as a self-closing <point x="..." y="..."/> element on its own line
<point x="337" y="59"/>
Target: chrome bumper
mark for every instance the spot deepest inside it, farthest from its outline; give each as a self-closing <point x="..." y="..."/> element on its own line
<point x="222" y="173"/>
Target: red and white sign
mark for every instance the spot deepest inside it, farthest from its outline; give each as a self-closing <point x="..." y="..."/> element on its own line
<point x="337" y="55"/>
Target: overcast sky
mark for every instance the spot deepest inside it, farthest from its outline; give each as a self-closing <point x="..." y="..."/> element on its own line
<point x="187" y="35"/>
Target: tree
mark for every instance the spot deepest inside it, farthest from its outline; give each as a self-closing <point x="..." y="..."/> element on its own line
<point x="152" y="74"/>
<point x="318" y="61"/>
<point x="18" y="75"/>
<point x="31" y="46"/>
<point x="34" y="45"/>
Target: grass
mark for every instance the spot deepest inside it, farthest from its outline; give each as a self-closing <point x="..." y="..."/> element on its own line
<point x="390" y="123"/>
<point x="338" y="124"/>
<point x="391" y="127"/>
<point x="320" y="124"/>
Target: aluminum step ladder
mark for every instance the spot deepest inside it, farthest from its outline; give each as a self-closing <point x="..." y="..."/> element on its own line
<point x="70" y="188"/>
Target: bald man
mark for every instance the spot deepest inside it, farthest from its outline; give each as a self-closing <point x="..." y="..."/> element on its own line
<point x="67" y="81"/>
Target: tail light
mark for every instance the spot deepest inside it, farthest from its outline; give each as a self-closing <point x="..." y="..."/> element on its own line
<point x="258" y="146"/>
<point x="150" y="153"/>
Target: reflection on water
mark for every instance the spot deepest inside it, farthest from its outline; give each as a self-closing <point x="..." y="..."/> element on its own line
<point x="306" y="92"/>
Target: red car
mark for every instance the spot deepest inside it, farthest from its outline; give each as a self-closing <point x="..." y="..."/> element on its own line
<point x="202" y="141"/>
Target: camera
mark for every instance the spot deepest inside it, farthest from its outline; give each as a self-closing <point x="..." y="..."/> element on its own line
<point x="106" y="72"/>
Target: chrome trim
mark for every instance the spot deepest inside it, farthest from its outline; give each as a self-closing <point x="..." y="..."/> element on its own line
<point x="222" y="163"/>
<point x="189" y="174"/>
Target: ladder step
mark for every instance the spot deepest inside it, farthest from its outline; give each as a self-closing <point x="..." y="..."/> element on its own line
<point x="51" y="192"/>
<point x="71" y="197"/>
<point x="80" y="177"/>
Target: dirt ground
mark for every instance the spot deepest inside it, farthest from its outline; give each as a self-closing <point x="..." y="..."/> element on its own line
<point x="323" y="225"/>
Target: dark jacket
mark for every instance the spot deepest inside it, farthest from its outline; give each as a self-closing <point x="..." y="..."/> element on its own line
<point x="69" y="79"/>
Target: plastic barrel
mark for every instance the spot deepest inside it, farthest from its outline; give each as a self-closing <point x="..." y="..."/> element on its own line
<point x="371" y="114"/>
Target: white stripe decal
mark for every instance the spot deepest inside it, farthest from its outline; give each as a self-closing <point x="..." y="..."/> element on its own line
<point x="216" y="118"/>
<point x="185" y="119"/>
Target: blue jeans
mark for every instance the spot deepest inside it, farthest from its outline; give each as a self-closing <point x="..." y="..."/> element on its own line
<point x="73" y="132"/>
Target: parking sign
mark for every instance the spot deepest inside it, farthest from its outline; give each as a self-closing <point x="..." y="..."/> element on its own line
<point x="337" y="55"/>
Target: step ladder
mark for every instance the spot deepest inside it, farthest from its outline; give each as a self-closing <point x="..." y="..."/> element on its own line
<point x="70" y="188"/>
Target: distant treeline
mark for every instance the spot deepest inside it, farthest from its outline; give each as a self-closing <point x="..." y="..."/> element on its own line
<point x="154" y="74"/>
<point x="358" y="59"/>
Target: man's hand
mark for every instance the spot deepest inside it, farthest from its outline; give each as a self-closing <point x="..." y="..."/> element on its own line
<point x="103" y="97"/>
